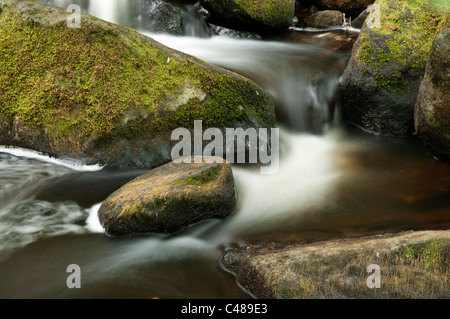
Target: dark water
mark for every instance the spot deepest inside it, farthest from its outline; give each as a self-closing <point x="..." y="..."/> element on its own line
<point x="334" y="181"/>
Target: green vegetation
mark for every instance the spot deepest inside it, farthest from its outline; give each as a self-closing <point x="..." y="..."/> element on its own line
<point x="268" y="12"/>
<point x="434" y="254"/>
<point x="328" y="270"/>
<point x="87" y="86"/>
<point x="273" y="13"/>
<point x="203" y="178"/>
<point x="402" y="44"/>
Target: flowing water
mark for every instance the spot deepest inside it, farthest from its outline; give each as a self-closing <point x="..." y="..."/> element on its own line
<point x="333" y="182"/>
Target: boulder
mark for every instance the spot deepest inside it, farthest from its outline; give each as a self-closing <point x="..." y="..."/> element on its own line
<point x="379" y="87"/>
<point x="349" y="7"/>
<point x="106" y="94"/>
<point x="171" y="18"/>
<point x="325" y="19"/>
<point x="157" y="16"/>
<point x="413" y="264"/>
<point x="432" y="110"/>
<point x="255" y="15"/>
<point x="359" y="21"/>
<point x="170" y="198"/>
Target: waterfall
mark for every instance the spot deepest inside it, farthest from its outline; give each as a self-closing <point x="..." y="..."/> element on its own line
<point x="115" y="11"/>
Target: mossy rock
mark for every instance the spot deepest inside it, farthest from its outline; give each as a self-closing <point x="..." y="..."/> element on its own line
<point x="325" y="19"/>
<point x="432" y="110"/>
<point x="170" y="198"/>
<point x="108" y="94"/>
<point x="255" y="15"/>
<point x="350" y="7"/>
<point x="380" y="84"/>
<point x="412" y="265"/>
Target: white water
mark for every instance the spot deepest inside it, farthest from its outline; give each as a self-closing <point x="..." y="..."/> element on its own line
<point x="23" y="219"/>
<point x="92" y="222"/>
<point x="69" y="163"/>
<point x="115" y="11"/>
<point x="307" y="169"/>
<point x="286" y="70"/>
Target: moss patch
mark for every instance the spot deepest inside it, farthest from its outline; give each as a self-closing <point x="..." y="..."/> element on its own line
<point x="402" y="44"/>
<point x="433" y="254"/>
<point x="203" y="178"/>
<point x="270" y="13"/>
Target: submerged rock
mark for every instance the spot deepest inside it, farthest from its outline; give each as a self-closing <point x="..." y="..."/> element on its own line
<point x="170" y="198"/>
<point x="432" y="110"/>
<point x="106" y="93"/>
<point x="251" y="14"/>
<point x="380" y="84"/>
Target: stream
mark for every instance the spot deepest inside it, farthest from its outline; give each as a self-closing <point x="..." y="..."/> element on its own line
<point x="334" y="181"/>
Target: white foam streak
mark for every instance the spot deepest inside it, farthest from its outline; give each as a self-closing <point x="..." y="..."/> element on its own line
<point x="305" y="180"/>
<point x="92" y="222"/>
<point x="68" y="163"/>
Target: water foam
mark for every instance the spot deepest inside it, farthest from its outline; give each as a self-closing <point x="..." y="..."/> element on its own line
<point x="73" y="164"/>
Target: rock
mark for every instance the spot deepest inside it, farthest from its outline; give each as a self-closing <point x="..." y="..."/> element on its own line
<point x="379" y="87"/>
<point x="106" y="94"/>
<point x="171" y="18"/>
<point x="325" y="19"/>
<point x="412" y="265"/>
<point x="158" y="16"/>
<point x="170" y="198"/>
<point x="253" y="15"/>
<point x="359" y="21"/>
<point x="349" y="7"/>
<point x="432" y="110"/>
<point x="237" y="34"/>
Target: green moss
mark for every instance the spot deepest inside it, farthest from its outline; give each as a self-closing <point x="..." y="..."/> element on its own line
<point x="404" y="41"/>
<point x="268" y="12"/>
<point x="433" y="254"/>
<point x="86" y="84"/>
<point x="273" y="13"/>
<point x="203" y="178"/>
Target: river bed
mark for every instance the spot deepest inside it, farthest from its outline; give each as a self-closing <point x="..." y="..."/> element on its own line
<point x="334" y="181"/>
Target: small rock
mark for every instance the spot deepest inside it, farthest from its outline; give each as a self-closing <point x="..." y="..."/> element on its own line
<point x="170" y="198"/>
